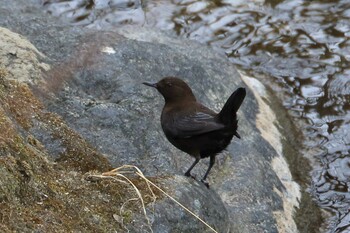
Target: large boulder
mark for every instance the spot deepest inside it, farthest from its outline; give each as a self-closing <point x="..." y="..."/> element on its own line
<point x="95" y="85"/>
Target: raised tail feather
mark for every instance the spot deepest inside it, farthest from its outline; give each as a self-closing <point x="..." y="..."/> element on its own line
<point x="227" y="114"/>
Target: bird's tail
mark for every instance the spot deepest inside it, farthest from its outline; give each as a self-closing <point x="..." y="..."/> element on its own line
<point x="227" y="114"/>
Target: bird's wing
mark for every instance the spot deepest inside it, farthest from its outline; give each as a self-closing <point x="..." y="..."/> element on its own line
<point x="195" y="124"/>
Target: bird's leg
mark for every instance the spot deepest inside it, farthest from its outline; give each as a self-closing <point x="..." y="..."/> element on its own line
<point x="188" y="173"/>
<point x="211" y="164"/>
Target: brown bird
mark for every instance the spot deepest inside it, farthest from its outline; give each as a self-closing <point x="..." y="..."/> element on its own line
<point x="194" y="128"/>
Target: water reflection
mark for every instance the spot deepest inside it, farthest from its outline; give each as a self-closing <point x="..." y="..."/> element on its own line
<point x="98" y="13"/>
<point x="303" y="46"/>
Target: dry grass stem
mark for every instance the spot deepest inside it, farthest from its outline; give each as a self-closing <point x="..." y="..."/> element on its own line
<point x="125" y="169"/>
<point x="110" y="175"/>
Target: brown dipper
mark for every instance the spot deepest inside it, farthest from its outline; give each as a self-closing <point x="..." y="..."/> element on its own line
<point x="194" y="128"/>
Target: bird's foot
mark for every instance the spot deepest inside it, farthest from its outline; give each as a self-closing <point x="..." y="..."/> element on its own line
<point x="205" y="183"/>
<point x="189" y="175"/>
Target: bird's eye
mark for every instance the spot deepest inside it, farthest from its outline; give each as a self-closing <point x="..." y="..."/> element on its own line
<point x="169" y="84"/>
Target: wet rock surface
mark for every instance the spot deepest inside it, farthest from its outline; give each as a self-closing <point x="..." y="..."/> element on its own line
<point x="94" y="85"/>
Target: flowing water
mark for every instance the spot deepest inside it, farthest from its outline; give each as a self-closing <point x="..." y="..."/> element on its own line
<point x="299" y="48"/>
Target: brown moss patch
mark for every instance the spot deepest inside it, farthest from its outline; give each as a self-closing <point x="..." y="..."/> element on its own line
<point x="69" y="203"/>
<point x="3" y="72"/>
<point x="18" y="101"/>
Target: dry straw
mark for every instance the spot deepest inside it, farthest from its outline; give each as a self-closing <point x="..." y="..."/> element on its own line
<point x="122" y="171"/>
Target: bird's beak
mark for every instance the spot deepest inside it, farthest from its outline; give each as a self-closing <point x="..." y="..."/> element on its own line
<point x="150" y="84"/>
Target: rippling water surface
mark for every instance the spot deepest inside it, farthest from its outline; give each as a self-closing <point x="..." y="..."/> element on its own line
<point x="299" y="48"/>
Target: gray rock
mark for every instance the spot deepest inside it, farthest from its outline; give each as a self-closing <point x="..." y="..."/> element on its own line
<point x="167" y="216"/>
<point x="103" y="99"/>
<point x="107" y="104"/>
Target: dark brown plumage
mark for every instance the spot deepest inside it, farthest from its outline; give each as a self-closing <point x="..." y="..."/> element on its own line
<point x="194" y="128"/>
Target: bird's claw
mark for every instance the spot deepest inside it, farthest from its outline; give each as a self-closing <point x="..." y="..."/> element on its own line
<point x="189" y="175"/>
<point x="205" y="183"/>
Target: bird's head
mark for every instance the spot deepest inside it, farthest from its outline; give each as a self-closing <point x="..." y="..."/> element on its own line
<point x="173" y="89"/>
